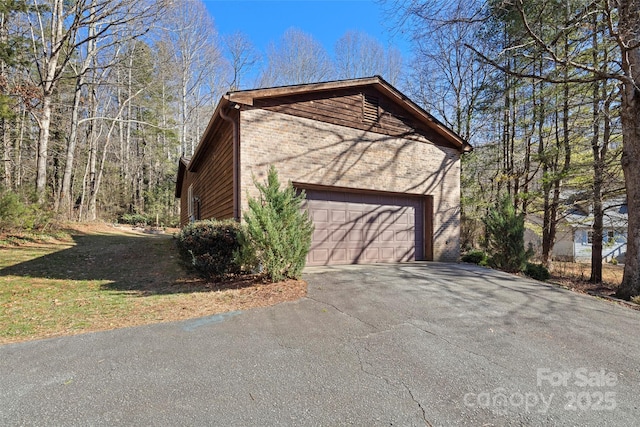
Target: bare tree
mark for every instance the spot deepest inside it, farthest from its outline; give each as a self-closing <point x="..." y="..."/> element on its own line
<point x="357" y="54"/>
<point x="298" y="58"/>
<point x="394" y="68"/>
<point x="242" y="56"/>
<point x="626" y="33"/>
<point x="57" y="29"/>
<point x="446" y="78"/>
<point x="188" y="28"/>
<point x="622" y="19"/>
<point x="89" y="66"/>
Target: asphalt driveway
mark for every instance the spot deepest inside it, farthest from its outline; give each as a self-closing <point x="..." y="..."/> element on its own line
<point x="413" y="344"/>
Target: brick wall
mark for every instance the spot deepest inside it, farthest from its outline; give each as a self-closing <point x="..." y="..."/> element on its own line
<point x="308" y="151"/>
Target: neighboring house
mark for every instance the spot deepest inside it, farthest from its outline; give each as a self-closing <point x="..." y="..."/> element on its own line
<point x="381" y="175"/>
<point x="574" y="237"/>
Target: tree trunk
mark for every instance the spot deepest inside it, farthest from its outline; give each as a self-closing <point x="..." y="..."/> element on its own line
<point x="597" y="236"/>
<point x="183" y="116"/>
<point x="5" y="127"/>
<point x="64" y="195"/>
<point x="598" y="172"/>
<point x="6" y="154"/>
<point x="546" y="189"/>
<point x="92" y="213"/>
<point x="43" y="142"/>
<point x="630" y="118"/>
<point x="50" y="76"/>
<point x="17" y="150"/>
<point x="598" y="168"/>
<point x="630" y="113"/>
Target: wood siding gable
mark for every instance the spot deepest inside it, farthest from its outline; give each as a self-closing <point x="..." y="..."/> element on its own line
<point x="363" y="108"/>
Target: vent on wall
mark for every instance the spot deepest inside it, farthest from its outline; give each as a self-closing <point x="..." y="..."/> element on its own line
<point x="371" y="109"/>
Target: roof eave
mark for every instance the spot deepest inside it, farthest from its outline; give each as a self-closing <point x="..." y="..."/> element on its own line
<point x="195" y="158"/>
<point x="183" y="165"/>
<point x="247" y="97"/>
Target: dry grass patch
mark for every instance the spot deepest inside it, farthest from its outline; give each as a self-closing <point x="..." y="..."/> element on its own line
<point x="575" y="276"/>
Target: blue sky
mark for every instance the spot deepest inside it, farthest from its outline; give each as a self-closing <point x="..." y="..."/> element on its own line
<point x="327" y="20"/>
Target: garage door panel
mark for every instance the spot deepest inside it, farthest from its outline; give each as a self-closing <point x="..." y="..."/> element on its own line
<point x="340" y="234"/>
<point x="364" y="228"/>
<point x="401" y="218"/>
<point x="338" y="215"/>
<point x="318" y="255"/>
<point x="387" y="253"/>
<point x="339" y="255"/>
<point x="355" y="217"/>
<point x="320" y="216"/>
<point x="387" y="236"/>
<point x="405" y="255"/>
<point x="372" y="254"/>
<point x="403" y="236"/>
<point x="387" y="216"/>
<point x="320" y="235"/>
<point x="372" y="234"/>
<point x="355" y="236"/>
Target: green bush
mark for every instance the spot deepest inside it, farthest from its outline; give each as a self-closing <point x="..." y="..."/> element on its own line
<point x="134" y="219"/>
<point x="168" y="220"/>
<point x="505" y="231"/>
<point x="11" y="210"/>
<point x="211" y="247"/>
<point x="17" y="214"/>
<point x="475" y="257"/>
<point x="537" y="271"/>
<point x="278" y="229"/>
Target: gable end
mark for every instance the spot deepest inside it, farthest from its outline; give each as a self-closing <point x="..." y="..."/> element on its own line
<point x="352" y="103"/>
<point x="361" y="108"/>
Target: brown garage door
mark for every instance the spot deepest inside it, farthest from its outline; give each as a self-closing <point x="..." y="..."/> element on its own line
<point x="364" y="228"/>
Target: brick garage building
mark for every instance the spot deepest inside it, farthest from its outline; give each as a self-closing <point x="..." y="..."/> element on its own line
<point x="382" y="176"/>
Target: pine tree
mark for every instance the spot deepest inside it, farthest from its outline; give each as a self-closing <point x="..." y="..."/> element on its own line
<point x="505" y="230"/>
<point x="279" y="229"/>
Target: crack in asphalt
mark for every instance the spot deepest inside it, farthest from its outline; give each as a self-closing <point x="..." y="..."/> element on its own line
<point x="283" y="345"/>
<point x="455" y="345"/>
<point x="407" y="322"/>
<point x="343" y="312"/>
<point x="424" y="413"/>
<point x="363" y="369"/>
<point x="389" y="383"/>
<point x="378" y="331"/>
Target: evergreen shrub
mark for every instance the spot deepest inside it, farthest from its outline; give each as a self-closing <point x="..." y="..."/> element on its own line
<point x="278" y="228"/>
<point x="134" y="219"/>
<point x="16" y="214"/>
<point x="537" y="271"/>
<point x="475" y="257"/>
<point x="505" y="231"/>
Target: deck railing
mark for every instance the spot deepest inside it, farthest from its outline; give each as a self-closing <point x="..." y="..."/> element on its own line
<point x="617" y="251"/>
